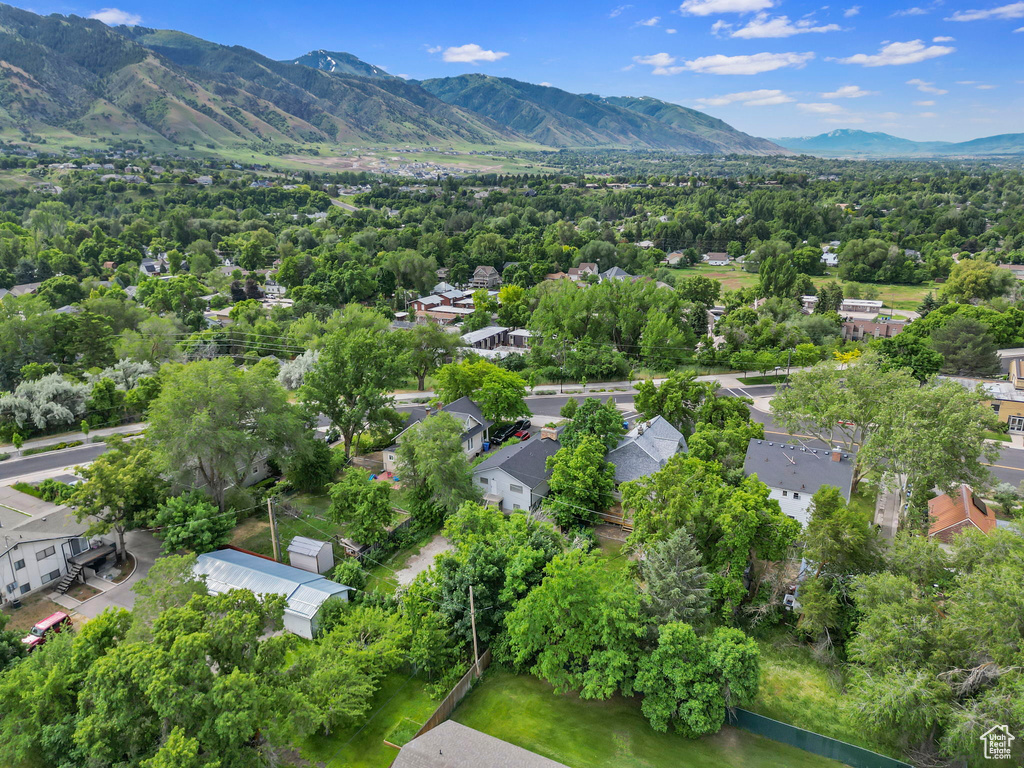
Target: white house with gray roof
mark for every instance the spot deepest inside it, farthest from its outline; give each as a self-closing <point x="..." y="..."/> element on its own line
<point x="474" y="424"/>
<point x="794" y="473"/>
<point x="516" y="477"/>
<point x="645" y="449"/>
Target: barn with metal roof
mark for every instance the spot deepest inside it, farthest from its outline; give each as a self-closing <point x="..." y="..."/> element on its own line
<point x="306" y="592"/>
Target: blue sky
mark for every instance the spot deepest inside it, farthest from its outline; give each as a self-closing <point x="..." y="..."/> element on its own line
<point x="935" y="70"/>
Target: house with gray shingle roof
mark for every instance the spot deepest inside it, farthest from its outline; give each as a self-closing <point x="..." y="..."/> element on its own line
<point x="645" y="449"/>
<point x="794" y="473"/>
<point x="453" y="745"/>
<point x="464" y="410"/>
<point x="516" y="477"/>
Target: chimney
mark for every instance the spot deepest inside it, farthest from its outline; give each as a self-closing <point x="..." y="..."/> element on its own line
<point x="548" y="433"/>
<point x="837" y="454"/>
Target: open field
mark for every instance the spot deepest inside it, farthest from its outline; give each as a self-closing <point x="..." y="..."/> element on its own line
<point x="894" y="296"/>
<point x="401" y="698"/>
<point x="524" y="711"/>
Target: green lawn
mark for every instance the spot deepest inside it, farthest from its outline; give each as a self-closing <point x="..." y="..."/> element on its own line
<point x="763" y="379"/>
<point x="795" y="689"/>
<point x="608" y="734"/>
<point x="1000" y="436"/>
<point x="401" y="699"/>
<point x="865" y="497"/>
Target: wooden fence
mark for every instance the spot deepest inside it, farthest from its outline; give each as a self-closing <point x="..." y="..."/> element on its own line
<point x="446" y="707"/>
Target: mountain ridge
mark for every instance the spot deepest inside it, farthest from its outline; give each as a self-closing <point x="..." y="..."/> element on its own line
<point x="851" y="142"/>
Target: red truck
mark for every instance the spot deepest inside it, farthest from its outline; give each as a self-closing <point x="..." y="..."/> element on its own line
<point x="57" y="622"/>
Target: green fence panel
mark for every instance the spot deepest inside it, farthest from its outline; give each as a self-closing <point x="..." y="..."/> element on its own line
<point x="851" y="755"/>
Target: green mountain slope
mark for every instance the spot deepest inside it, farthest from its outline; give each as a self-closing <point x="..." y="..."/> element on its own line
<point x="558" y="118"/>
<point x="339" y="63"/>
<point x="699" y="123"/>
<point x="78" y="77"/>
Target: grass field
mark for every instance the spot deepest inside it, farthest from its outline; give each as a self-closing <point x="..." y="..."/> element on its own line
<point x="400" y="701"/>
<point x="795" y="689"/>
<point x="524" y="711"/>
<point x="894" y="296"/>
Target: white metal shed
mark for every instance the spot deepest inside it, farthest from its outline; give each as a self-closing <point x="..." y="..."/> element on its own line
<point x="311" y="555"/>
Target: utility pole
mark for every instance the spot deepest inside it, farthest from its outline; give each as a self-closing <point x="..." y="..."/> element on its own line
<point x="273" y="530"/>
<point x="472" y="620"/>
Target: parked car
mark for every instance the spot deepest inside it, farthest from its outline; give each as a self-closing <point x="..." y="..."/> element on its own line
<point x="522" y="424"/>
<point x="57" y="622"/>
<point x="503" y="434"/>
<point x="523" y="434"/>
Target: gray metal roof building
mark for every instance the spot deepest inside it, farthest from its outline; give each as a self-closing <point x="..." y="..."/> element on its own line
<point x="453" y="745"/>
<point x="306" y="592"/>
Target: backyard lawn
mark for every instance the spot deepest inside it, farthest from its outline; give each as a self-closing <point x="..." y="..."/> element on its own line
<point x="400" y="701"/>
<point x="522" y="710"/>
<point x="795" y="689"/>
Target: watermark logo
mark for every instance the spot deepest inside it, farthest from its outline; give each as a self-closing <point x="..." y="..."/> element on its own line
<point x="997" y="741"/>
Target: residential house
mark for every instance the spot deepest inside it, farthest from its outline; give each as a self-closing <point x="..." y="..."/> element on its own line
<point x="486" y="338"/>
<point x="961" y="511"/>
<point x="830" y="259"/>
<point x="645" y="244"/>
<point x="794" y="473"/>
<point x="464" y="410"/>
<point x="485" y="277"/>
<point x="615" y="273"/>
<point x="645" y="449"/>
<point x="40" y="542"/>
<point x="1006" y="398"/>
<point x="673" y="258"/>
<point x="24" y="289"/>
<point x="520" y="338"/>
<point x="716" y="259"/>
<point x="585" y="268"/>
<point x="556" y="276"/>
<point x="454" y="745"/>
<point x="517" y="477"/>
<point x="306" y="593"/>
<point x="857" y="330"/>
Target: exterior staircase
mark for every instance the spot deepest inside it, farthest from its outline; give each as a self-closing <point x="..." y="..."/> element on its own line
<point x="68" y="579"/>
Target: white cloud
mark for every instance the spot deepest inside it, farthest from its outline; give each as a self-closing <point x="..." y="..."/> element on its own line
<point x="985" y="87"/>
<point x="434" y="49"/>
<point x="720" y="26"/>
<point x="115" y="16"/>
<point x="1011" y="11"/>
<point x="1019" y="29"/>
<point x="820" y="108"/>
<point x="966" y="82"/>
<point x="915" y="11"/>
<point x="663" y="64"/>
<point x="762" y="26"/>
<point x="910" y="52"/>
<point x="711" y="7"/>
<point x="752" y="64"/>
<point x="404" y="77"/>
<point x="847" y="92"/>
<point x="851" y="12"/>
<point x="651" y="22"/>
<point x="761" y="98"/>
<point x="943" y="39"/>
<point x="670" y="31"/>
<point x="547" y="84"/>
<point x="928" y="114"/>
<point x="925" y="103"/>
<point x="926" y="87"/>
<point x="471" y="54"/>
<point x="618" y="11"/>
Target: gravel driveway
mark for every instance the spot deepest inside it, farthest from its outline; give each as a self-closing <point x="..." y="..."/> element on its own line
<point x="422" y="559"/>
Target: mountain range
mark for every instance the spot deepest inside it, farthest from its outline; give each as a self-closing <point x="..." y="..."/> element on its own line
<point x="847" y="142"/>
<point x="70" y="78"/>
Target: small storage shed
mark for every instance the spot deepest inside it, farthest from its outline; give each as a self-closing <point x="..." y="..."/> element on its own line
<point x="311" y="555"/>
<point x="306" y="592"/>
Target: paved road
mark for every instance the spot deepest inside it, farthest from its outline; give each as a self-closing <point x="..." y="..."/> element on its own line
<point x="44" y="462"/>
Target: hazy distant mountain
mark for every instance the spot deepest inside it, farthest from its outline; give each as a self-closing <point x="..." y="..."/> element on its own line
<point x="338" y="62"/>
<point x="846" y="142"/>
<point x="558" y="118"/>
